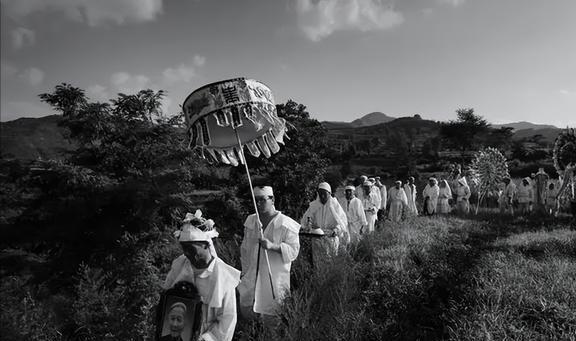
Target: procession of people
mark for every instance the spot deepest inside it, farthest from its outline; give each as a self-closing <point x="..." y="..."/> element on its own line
<point x="271" y="241"/>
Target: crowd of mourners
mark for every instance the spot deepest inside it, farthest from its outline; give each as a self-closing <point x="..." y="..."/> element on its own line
<point x="333" y="220"/>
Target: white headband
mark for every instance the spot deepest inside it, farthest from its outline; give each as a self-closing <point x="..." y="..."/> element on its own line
<point x="263" y="191"/>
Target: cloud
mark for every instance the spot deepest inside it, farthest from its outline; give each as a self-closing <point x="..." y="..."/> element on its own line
<point x="567" y="92"/>
<point x="7" y="70"/>
<point x="184" y="72"/>
<point x="91" y="12"/>
<point x="33" y="76"/>
<point x="319" y="19"/>
<point x="98" y="93"/>
<point x="130" y="84"/>
<point x="454" y="3"/>
<point x="22" y="37"/>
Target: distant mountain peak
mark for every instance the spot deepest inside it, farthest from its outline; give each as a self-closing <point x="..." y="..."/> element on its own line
<point x="371" y="119"/>
<point x="524" y="125"/>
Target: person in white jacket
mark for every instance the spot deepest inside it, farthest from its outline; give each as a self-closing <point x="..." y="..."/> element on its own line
<point x="410" y="190"/>
<point x="370" y="203"/>
<point x="214" y="280"/>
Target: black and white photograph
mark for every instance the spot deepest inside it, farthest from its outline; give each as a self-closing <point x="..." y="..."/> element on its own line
<point x="291" y="170"/>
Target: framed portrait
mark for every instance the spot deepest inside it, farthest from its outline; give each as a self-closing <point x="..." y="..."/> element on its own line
<point x="179" y="314"/>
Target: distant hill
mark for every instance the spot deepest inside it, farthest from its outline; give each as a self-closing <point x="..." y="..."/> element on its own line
<point x="370" y="119"/>
<point x="548" y="134"/>
<point x="33" y="138"/>
<point x="524" y="125"/>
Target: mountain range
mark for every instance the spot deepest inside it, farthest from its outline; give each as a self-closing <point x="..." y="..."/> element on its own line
<point x="31" y="138"/>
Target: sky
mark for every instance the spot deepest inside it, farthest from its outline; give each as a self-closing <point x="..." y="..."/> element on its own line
<point x="510" y="60"/>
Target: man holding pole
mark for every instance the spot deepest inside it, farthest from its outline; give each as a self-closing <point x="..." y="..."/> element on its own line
<point x="269" y="247"/>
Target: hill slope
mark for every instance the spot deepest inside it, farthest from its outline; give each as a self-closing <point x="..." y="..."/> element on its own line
<point x="32" y="138"/>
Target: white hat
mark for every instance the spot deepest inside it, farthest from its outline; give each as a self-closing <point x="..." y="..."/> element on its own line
<point x="325" y="186"/>
<point x="196" y="228"/>
<point x="264" y="191"/>
<point x="352" y="188"/>
<point x="317" y="231"/>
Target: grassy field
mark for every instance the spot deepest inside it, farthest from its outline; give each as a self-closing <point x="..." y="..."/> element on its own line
<point x="443" y="278"/>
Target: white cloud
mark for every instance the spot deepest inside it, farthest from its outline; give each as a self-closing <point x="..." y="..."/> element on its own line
<point x="92" y="12"/>
<point x="33" y="76"/>
<point x="98" y="93"/>
<point x="7" y="70"/>
<point x="567" y="92"/>
<point x="130" y="84"/>
<point x="184" y="73"/>
<point x="454" y="3"/>
<point x="22" y="37"/>
<point x="319" y="19"/>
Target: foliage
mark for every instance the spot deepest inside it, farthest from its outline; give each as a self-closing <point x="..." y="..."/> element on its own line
<point x="487" y="171"/>
<point x="297" y="169"/>
<point x="464" y="133"/>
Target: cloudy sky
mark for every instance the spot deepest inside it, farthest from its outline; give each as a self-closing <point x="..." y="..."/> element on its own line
<point x="510" y="60"/>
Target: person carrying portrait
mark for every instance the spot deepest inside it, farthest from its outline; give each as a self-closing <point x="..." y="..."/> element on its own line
<point x="430" y="194"/>
<point x="215" y="280"/>
<point x="354" y="213"/>
<point x="397" y="201"/>
<point x="276" y="233"/>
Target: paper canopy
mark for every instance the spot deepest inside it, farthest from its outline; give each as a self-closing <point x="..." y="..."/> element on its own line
<point x="215" y="110"/>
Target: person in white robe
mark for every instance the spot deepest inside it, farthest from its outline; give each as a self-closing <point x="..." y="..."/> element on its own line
<point x="383" y="193"/>
<point x="463" y="196"/>
<point x="430" y="194"/>
<point x="376" y="190"/>
<point x="410" y="190"/>
<point x="552" y="205"/>
<point x="507" y="197"/>
<point x="359" y="192"/>
<point x="370" y="203"/>
<point x="326" y="213"/>
<point x="354" y="213"/>
<point x="444" y="196"/>
<point x="525" y="195"/>
<point x="275" y="232"/>
<point x="398" y="202"/>
<point x="215" y="280"/>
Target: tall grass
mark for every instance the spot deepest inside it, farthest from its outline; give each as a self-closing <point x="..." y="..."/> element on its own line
<point x="438" y="279"/>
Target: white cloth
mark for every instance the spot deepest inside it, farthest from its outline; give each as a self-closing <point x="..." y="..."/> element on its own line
<point x="331" y="218"/>
<point x="283" y="231"/>
<point x="444" y="196"/>
<point x="370" y="204"/>
<point x="525" y="194"/>
<point x="463" y="196"/>
<point x="410" y="190"/>
<point x="216" y="287"/>
<point x="384" y="197"/>
<point x="398" y="200"/>
<point x="430" y="195"/>
<point x="355" y="215"/>
<point x="376" y="190"/>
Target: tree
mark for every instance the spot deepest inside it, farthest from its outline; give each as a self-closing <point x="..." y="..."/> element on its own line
<point x="300" y="165"/>
<point x="464" y="133"/>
